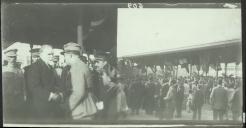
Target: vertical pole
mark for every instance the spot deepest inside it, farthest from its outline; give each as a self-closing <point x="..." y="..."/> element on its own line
<point x="190" y="69"/>
<point x="31" y="47"/>
<point x="80" y="32"/>
<point x="177" y="71"/>
<point x="225" y="69"/>
<point x="236" y="68"/>
<point x="216" y="70"/>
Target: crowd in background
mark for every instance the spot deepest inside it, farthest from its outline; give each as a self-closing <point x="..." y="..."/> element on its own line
<point x="91" y="90"/>
<point x="167" y="97"/>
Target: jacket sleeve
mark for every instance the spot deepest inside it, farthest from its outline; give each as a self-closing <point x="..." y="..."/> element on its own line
<point x="78" y="86"/>
<point x="169" y="94"/>
<point x="212" y="96"/>
<point x="88" y="77"/>
<point x="35" y="82"/>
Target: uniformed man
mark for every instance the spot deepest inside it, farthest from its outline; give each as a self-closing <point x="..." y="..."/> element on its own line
<point x="107" y="88"/>
<point x="78" y="95"/>
<point x="13" y="88"/>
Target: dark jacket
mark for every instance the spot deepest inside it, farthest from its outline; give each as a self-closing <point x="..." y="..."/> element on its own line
<point x="180" y="94"/>
<point x="163" y="93"/>
<point x="13" y="94"/>
<point x="219" y="98"/>
<point x="41" y="82"/>
<point x="236" y="104"/>
<point x="198" y="99"/>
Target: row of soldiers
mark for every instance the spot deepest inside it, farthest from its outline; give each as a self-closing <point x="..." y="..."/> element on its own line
<point x="49" y="92"/>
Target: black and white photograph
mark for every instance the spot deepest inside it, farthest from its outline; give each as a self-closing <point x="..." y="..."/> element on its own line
<point x="141" y="64"/>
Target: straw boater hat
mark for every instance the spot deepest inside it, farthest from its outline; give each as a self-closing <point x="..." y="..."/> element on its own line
<point x="11" y="52"/>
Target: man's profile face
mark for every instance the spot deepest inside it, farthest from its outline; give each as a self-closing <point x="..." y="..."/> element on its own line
<point x="99" y="64"/>
<point x="67" y="58"/>
<point x="11" y="59"/>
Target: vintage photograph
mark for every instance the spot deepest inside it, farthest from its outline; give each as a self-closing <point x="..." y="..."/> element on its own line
<point x="121" y="63"/>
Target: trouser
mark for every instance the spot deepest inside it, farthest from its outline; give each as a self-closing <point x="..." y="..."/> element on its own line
<point x="218" y="113"/>
<point x="161" y="112"/>
<point x="235" y="115"/>
<point x="197" y="111"/>
<point x="170" y="112"/>
<point x="179" y="108"/>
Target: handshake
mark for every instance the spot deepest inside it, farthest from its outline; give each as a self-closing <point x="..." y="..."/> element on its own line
<point x="57" y="97"/>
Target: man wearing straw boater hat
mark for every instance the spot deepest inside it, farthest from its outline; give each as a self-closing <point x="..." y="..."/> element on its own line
<point x="79" y="103"/>
<point x="13" y="88"/>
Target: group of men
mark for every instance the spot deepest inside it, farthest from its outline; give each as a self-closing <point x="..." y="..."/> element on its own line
<point x="46" y="91"/>
<point x="161" y="96"/>
<point x="169" y="96"/>
<point x="43" y="93"/>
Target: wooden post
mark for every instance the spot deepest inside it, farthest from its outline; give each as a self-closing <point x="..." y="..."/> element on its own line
<point x="236" y="68"/>
<point x="177" y="71"/>
<point x="80" y="32"/>
<point x="216" y="70"/>
<point x="225" y="69"/>
<point x="190" y="69"/>
<point x="31" y="47"/>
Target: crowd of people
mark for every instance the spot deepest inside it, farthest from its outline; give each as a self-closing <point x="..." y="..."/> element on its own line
<point x="167" y="96"/>
<point x="48" y="91"/>
<point x="79" y="90"/>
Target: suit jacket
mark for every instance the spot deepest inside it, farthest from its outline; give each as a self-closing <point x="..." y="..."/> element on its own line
<point x="219" y="98"/>
<point x="41" y="82"/>
<point x="198" y="99"/>
<point x="180" y="93"/>
<point x="236" y="100"/>
<point x="26" y="70"/>
<point x="171" y="96"/>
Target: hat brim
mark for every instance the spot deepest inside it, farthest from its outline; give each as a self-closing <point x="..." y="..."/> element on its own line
<point x="11" y="55"/>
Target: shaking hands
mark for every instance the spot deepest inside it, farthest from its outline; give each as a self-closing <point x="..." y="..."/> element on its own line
<point x="55" y="97"/>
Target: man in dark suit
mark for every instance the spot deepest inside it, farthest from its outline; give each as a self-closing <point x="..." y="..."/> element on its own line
<point x="34" y="57"/>
<point x="162" y="102"/>
<point x="179" y="98"/>
<point x="219" y="101"/>
<point x="42" y="85"/>
<point x="198" y="101"/>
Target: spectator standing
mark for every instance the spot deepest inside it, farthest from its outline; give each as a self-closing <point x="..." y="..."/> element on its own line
<point x="197" y="102"/>
<point x="219" y="101"/>
<point x="170" y="99"/>
<point x="236" y="102"/>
